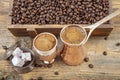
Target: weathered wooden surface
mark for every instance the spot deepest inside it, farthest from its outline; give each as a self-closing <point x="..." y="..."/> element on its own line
<point x="105" y="67"/>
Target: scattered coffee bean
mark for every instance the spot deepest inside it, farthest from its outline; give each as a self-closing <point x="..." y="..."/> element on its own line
<point x="105" y="38"/>
<point x="49" y="65"/>
<point x="105" y="53"/>
<point x="118" y="44"/>
<point x="39" y="78"/>
<point x="38" y="65"/>
<point x="86" y="59"/>
<point x="59" y="11"/>
<point x="45" y="66"/>
<point x="31" y="79"/>
<point x="56" y="73"/>
<point x="91" y="66"/>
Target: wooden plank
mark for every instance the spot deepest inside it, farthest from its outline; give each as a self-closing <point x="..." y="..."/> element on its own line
<point x="115" y="3"/>
<point x="18" y="31"/>
<point x="103" y="30"/>
<point x="32" y="32"/>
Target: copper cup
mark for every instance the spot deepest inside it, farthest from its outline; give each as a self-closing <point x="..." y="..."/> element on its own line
<point x="73" y="53"/>
<point x="48" y="57"/>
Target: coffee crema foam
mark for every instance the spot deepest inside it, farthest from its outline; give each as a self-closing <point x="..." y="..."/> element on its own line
<point x="45" y="42"/>
<point x="73" y="35"/>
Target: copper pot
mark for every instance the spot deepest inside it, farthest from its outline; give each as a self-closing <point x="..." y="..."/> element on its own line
<point x="73" y="53"/>
<point x="47" y="56"/>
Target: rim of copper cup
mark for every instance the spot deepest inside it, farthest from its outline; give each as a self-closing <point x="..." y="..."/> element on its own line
<point x="70" y="44"/>
<point x="56" y="42"/>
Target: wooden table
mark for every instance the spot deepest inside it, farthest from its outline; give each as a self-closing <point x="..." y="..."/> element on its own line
<point x="105" y="67"/>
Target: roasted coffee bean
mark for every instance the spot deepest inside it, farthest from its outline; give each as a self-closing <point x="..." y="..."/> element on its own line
<point x="105" y="53"/>
<point x="32" y="79"/>
<point x="49" y="65"/>
<point x="39" y="78"/>
<point x="59" y="11"/>
<point x="38" y="65"/>
<point x="45" y="66"/>
<point x="56" y="73"/>
<point x="91" y="66"/>
<point x="118" y="44"/>
<point x="86" y="59"/>
<point x="106" y="38"/>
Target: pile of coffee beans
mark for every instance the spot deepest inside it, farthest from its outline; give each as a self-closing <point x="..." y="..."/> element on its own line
<point x="58" y="11"/>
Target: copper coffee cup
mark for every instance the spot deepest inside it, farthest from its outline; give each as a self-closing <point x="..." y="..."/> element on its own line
<point x="73" y="52"/>
<point x="48" y="56"/>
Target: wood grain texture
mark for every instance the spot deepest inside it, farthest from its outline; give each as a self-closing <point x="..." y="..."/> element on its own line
<point x="105" y="67"/>
<point x="32" y="32"/>
<point x="16" y="30"/>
